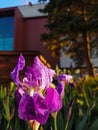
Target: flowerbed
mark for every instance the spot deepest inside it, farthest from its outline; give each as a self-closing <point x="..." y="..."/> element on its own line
<point x="45" y="100"/>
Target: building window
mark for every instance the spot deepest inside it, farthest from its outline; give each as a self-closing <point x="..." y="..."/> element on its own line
<point x="6" y="33"/>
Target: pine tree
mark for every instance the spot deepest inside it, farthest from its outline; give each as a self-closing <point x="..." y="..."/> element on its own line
<point x="73" y="26"/>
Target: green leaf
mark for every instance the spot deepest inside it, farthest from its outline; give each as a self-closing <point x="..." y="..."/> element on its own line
<point x="71" y="123"/>
<point x="60" y="121"/>
<point x="94" y="126"/>
<point x="83" y="121"/>
<point x="6" y="108"/>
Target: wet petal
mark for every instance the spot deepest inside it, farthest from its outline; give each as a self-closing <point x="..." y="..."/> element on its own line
<point x="15" y="73"/>
<point x="33" y="108"/>
<point x="53" y="100"/>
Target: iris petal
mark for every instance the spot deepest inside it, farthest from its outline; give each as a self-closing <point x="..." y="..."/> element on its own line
<point x="15" y="73"/>
<point x="33" y="108"/>
<point x="39" y="74"/>
<point x="60" y="88"/>
<point x="65" y="77"/>
<point x="18" y="95"/>
<point x="53" y="100"/>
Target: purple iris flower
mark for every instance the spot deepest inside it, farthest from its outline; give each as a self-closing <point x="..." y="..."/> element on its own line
<point x="60" y="88"/>
<point x="35" y="98"/>
<point x="65" y="77"/>
<point x="62" y="80"/>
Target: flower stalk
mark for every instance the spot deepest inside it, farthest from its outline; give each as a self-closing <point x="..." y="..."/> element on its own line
<point x="66" y="126"/>
<point x="85" y="96"/>
<point x="55" y="124"/>
<point x="55" y="121"/>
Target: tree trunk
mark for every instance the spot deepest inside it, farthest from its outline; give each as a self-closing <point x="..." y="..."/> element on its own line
<point x="89" y="64"/>
<point x="86" y="46"/>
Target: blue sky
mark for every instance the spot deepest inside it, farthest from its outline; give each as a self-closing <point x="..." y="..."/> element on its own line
<point x="11" y="3"/>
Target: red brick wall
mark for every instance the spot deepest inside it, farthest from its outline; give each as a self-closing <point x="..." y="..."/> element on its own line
<point x="33" y="28"/>
<point x="28" y="34"/>
<point x="18" y="31"/>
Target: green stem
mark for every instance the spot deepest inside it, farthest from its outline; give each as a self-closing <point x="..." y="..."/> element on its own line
<point x="55" y="121"/>
<point x="87" y="102"/>
<point x="55" y="124"/>
<point x="66" y="126"/>
<point x="8" y="124"/>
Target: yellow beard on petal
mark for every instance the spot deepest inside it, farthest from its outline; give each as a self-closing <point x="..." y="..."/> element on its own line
<point x="52" y="86"/>
<point x="31" y="92"/>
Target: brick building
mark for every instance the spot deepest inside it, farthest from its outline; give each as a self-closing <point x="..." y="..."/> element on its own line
<point x="20" y="31"/>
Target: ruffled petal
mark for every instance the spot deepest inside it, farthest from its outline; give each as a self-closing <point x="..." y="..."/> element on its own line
<point x="15" y="73"/>
<point x="39" y="74"/>
<point x="33" y="108"/>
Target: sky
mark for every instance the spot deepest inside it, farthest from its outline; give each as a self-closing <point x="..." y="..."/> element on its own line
<point x="12" y="3"/>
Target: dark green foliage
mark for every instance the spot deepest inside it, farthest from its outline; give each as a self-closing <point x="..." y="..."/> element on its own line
<point x="79" y="110"/>
<point x="9" y="119"/>
<point x="73" y="27"/>
<point x="80" y="107"/>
